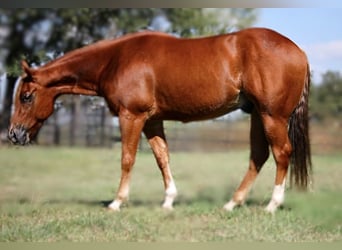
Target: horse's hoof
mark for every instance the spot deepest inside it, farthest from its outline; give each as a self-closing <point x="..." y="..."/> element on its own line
<point x="229" y="206"/>
<point x="114" y="206"/>
<point x="167" y="208"/>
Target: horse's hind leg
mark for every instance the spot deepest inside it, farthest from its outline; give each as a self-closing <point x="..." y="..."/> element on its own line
<point x="277" y="134"/>
<point x="154" y="132"/>
<point x="259" y="154"/>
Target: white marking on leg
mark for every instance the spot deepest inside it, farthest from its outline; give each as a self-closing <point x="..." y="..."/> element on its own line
<point x="278" y="197"/>
<point x="229" y="206"/>
<point x="238" y="199"/>
<point x="170" y="195"/>
<point x="115" y="205"/>
<point x="121" y="197"/>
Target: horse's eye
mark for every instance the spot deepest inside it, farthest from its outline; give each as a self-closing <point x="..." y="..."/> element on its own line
<point x="26" y="98"/>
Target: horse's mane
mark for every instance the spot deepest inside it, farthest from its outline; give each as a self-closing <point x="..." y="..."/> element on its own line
<point x="103" y="44"/>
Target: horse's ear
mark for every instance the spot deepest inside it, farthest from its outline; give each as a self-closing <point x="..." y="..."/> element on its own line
<point x="25" y="67"/>
<point x="28" y="72"/>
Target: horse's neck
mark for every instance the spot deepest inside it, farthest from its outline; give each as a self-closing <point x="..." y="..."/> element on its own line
<point x="67" y="77"/>
<point x="81" y="68"/>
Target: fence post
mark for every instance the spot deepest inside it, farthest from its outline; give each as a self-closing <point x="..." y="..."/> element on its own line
<point x="56" y="130"/>
<point x="102" y="124"/>
<point x="72" y="122"/>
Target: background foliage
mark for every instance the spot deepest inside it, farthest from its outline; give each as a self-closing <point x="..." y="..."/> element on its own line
<point x="326" y="101"/>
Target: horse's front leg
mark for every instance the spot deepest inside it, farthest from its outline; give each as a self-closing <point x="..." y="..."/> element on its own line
<point x="131" y="126"/>
<point x="154" y="132"/>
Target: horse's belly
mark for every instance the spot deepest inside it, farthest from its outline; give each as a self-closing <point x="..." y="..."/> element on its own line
<point x="187" y="109"/>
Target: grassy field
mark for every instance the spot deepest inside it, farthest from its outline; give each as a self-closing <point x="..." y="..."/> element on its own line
<point x="58" y="194"/>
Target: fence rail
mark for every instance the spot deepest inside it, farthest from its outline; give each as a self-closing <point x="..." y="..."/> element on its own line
<point x="88" y="122"/>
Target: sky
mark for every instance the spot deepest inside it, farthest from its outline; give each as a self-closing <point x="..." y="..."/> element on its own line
<point x="317" y="31"/>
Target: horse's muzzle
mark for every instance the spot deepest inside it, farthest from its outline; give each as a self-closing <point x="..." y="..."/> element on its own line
<point x="18" y="135"/>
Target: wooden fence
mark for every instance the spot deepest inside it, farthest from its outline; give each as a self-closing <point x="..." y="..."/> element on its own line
<point x="88" y="122"/>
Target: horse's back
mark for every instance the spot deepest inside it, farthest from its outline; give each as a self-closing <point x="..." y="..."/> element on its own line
<point x="190" y="79"/>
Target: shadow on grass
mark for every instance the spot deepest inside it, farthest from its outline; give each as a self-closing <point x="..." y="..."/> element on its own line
<point x="199" y="204"/>
<point x="97" y="203"/>
<point x="207" y="197"/>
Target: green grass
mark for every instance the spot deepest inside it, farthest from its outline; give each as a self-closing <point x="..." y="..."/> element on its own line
<point x="58" y="194"/>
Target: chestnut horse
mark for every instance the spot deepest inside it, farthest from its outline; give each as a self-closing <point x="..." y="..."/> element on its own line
<point x="148" y="77"/>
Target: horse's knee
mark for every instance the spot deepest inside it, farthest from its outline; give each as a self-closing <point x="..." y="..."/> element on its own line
<point x="127" y="161"/>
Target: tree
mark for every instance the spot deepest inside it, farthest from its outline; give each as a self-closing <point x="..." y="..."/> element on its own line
<point x="209" y="21"/>
<point x="326" y="102"/>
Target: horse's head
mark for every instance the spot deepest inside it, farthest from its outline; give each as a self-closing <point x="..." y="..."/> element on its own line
<point x="33" y="105"/>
